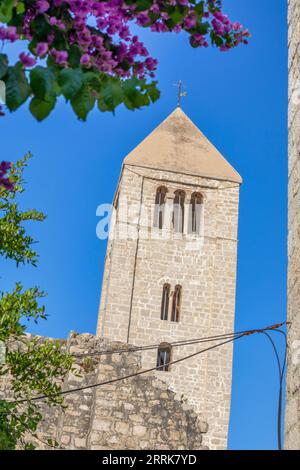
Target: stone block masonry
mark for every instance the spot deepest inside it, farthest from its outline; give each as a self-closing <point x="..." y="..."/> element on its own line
<point x="292" y="417"/>
<point x="136" y="271"/>
<point x="174" y="279"/>
<point x="137" y="413"/>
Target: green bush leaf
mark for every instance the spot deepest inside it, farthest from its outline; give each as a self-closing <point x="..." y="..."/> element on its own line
<point x="70" y="81"/>
<point x="153" y="92"/>
<point x="83" y="102"/>
<point x="177" y="15"/>
<point x="199" y="8"/>
<point x="17" y="87"/>
<point x="3" y="65"/>
<point x="74" y="56"/>
<point x="43" y="83"/>
<point x="102" y="106"/>
<point x="134" y="97"/>
<point x="20" y="7"/>
<point x="202" y="28"/>
<point x="6" y="8"/>
<point x="111" y="95"/>
<point x="143" y="5"/>
<point x="40" y="109"/>
<point x="41" y="28"/>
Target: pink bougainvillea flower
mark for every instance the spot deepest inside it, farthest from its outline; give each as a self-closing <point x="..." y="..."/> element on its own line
<point x="85" y="59"/>
<point x="42" y="6"/>
<point x="27" y="60"/>
<point x="41" y="49"/>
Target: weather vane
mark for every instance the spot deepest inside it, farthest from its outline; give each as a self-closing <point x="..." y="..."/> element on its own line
<point x="181" y="93"/>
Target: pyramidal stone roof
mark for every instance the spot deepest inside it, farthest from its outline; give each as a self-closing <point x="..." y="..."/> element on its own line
<point x="177" y="145"/>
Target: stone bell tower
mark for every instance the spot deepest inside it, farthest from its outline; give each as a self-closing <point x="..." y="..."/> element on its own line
<point x="170" y="269"/>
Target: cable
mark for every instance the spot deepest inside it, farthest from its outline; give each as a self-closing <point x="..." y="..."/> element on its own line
<point x="154" y="346"/>
<point x="117" y="379"/>
<point x="237" y="336"/>
<point x="178" y="343"/>
<point x="233" y="337"/>
<point x="281" y="369"/>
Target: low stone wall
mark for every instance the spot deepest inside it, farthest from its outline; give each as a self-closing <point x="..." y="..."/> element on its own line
<point x="136" y="413"/>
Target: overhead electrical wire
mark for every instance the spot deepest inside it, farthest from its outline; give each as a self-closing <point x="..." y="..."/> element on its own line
<point x="234" y="337"/>
<point x="135" y="374"/>
<point x="227" y="337"/>
<point x="200" y="340"/>
<point x="281" y="370"/>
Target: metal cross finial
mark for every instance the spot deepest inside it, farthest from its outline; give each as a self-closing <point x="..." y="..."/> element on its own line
<point x="181" y="93"/>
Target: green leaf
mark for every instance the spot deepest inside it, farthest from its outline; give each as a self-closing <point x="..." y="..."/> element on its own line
<point x="153" y="92"/>
<point x="32" y="46"/>
<point x="102" y="106"/>
<point x="134" y="98"/>
<point x="41" y="28"/>
<point x="93" y="80"/>
<point x="217" y="39"/>
<point x="70" y="81"/>
<point x="111" y="95"/>
<point x="20" y="7"/>
<point x="43" y="83"/>
<point x="74" y="56"/>
<point x="143" y="5"/>
<point x="3" y="64"/>
<point x="83" y="102"/>
<point x="6" y="8"/>
<point x="17" y="87"/>
<point x="202" y="28"/>
<point x="40" y="109"/>
<point x="199" y="8"/>
<point x="177" y="16"/>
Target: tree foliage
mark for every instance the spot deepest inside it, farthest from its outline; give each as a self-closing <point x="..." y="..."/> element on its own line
<point x="31" y="366"/>
<point x="15" y="244"/>
<point x="85" y="51"/>
<point x="5" y="182"/>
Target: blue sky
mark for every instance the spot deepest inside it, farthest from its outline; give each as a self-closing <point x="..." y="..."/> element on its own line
<point x="239" y="100"/>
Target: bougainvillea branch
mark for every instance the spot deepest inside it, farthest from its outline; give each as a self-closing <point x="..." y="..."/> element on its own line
<point x="85" y="50"/>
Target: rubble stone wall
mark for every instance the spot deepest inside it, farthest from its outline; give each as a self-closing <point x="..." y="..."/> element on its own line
<point x="138" y="413"/>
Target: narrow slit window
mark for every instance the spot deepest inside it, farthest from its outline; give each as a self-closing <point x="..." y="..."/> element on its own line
<point x="195" y="213"/>
<point x="176" y="304"/>
<point x="178" y="211"/>
<point x="164" y="357"/>
<point x="165" y="302"/>
<point x="159" y="208"/>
